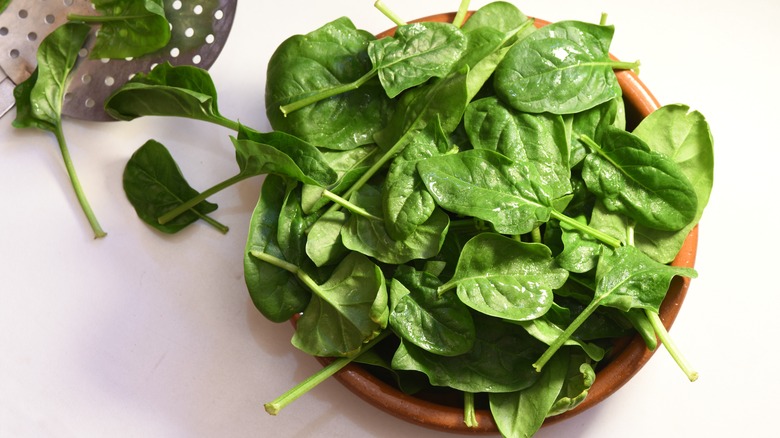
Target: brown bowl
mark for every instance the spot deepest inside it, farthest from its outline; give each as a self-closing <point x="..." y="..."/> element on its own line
<point x="627" y="358"/>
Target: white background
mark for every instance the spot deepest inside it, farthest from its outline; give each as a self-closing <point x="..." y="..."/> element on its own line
<point x="141" y="334"/>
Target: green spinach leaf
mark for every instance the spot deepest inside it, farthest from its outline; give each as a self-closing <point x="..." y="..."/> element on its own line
<point x="154" y="184"/>
<point x="128" y="28"/>
<point x="644" y="185"/>
<point x="507" y="279"/>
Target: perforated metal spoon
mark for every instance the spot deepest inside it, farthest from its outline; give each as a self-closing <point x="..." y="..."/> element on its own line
<point x="199" y="30"/>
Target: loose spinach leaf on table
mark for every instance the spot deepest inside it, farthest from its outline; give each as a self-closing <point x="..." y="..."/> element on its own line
<point x="154" y="184"/>
<point x="39" y="99"/>
<point x="128" y="28"/>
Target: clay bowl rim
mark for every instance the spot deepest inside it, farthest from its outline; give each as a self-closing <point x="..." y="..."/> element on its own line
<point x="611" y="377"/>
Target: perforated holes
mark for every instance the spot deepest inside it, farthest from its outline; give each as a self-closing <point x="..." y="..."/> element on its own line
<point x="67" y="2"/>
<point x="49" y="19"/>
<point x="218" y="14"/>
<point x="89" y="102"/>
<point x="32" y="36"/>
<point x="196" y="59"/>
<point x="83" y="53"/>
<point x="189" y="32"/>
<point x="3" y="31"/>
<point x="109" y="81"/>
<point x="14" y="53"/>
<point x="209" y="39"/>
<point x="197" y="10"/>
<point x="175" y="52"/>
<point x="86" y="79"/>
<point x="176" y="5"/>
<point x="23" y="13"/>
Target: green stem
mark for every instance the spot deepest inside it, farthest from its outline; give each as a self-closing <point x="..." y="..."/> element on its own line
<point x="289" y="267"/>
<point x="350" y="206"/>
<point x="222" y="228"/>
<point x="626" y="65"/>
<point x="460" y="17"/>
<point x="174" y="213"/>
<point x="603" y="20"/>
<point x="98" y="19"/>
<point x="597" y="234"/>
<point x="563" y="337"/>
<point x="536" y="235"/>
<point x="74" y="180"/>
<point x="379" y="4"/>
<point x="315" y="379"/>
<point x="670" y="346"/>
<point x="469" y="410"/>
<point x="329" y="92"/>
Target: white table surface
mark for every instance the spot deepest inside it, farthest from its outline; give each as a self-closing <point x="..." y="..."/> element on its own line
<point x="141" y="334"/>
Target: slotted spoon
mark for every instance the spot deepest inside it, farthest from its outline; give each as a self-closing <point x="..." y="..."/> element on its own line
<point x="199" y="30"/>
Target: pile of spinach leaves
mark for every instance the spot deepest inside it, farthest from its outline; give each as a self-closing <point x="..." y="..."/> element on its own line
<point x="461" y="202"/>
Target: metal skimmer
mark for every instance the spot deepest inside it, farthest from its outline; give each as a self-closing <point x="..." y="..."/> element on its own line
<point x="199" y="30"/>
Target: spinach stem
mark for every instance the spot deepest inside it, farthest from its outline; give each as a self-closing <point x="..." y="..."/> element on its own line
<point x="460" y="17"/>
<point x="469" y="410"/>
<point x="379" y="4"/>
<point x="289" y="267"/>
<point x="175" y="212"/>
<point x="74" y="180"/>
<point x="597" y="234"/>
<point x="670" y="346"/>
<point x="320" y="376"/>
<point x="603" y="20"/>
<point x="97" y="19"/>
<point x="350" y="206"/>
<point x="536" y="235"/>
<point x="326" y="93"/>
<point x="222" y="228"/>
<point x="563" y="337"/>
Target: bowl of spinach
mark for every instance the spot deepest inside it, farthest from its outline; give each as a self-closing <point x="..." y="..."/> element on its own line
<point x="509" y="228"/>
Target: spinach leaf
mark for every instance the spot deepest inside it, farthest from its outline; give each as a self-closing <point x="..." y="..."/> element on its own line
<point x="644" y="185"/>
<point x="39" y="99"/>
<point x="626" y="279"/>
<point x="576" y="386"/>
<point x="324" y="245"/>
<point x="521" y="413"/>
<point x="500" y="360"/>
<point x="504" y="278"/>
<point x="591" y="123"/>
<point x="562" y="68"/>
<point x="406" y="202"/>
<point x="303" y="65"/>
<point x="498" y="15"/>
<point x="370" y="237"/>
<point x="580" y="251"/>
<point x="167" y="90"/>
<point x="154" y="184"/>
<point x="128" y="28"/>
<point x="349" y="167"/>
<point x="344" y="312"/>
<point x="439" y="324"/>
<point x="684" y="136"/>
<point x="512" y="196"/>
<point x="417" y="52"/>
<point x="274" y="290"/>
<point x="539" y="138"/>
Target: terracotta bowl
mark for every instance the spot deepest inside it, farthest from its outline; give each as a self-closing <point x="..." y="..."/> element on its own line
<point x="628" y="357"/>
